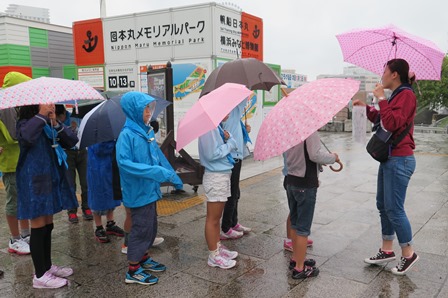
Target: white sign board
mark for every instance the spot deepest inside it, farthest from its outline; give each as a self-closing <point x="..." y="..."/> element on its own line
<point x="227" y="28"/>
<point x="159" y="36"/>
<point x="94" y="76"/>
<point x="121" y="77"/>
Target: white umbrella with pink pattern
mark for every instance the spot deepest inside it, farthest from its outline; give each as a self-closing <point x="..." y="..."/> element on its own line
<point x="46" y="90"/>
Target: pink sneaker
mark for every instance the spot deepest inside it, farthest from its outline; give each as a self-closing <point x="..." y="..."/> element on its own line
<point x="231" y="234"/>
<point x="241" y="228"/>
<point x="287" y="244"/>
<point x="60" y="271"/>
<point x="220" y="261"/>
<point x="226" y="253"/>
<point x="48" y="281"/>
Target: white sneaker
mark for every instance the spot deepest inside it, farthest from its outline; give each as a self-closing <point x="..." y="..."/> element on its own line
<point x="26" y="239"/>
<point x="158" y="241"/>
<point x="220" y="261"/>
<point x="226" y="253"/>
<point x="241" y="228"/>
<point x="231" y="234"/>
<point x="60" y="271"/>
<point x="19" y="247"/>
<point x="124" y="249"/>
<point x="48" y="281"/>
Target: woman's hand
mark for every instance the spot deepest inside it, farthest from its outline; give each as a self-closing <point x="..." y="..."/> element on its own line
<point x="226" y="135"/>
<point x="358" y="102"/>
<point x="248" y="128"/>
<point x="379" y="92"/>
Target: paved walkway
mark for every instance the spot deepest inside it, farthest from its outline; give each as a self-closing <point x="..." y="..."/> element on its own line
<point x="345" y="231"/>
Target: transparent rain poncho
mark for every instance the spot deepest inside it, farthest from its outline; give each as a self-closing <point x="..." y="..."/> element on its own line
<point x="359" y="122"/>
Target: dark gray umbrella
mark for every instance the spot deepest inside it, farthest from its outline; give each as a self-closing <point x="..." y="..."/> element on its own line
<point x="252" y="73"/>
<point x="104" y="122"/>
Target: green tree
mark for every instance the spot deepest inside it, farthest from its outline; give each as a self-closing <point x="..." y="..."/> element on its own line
<point x="434" y="94"/>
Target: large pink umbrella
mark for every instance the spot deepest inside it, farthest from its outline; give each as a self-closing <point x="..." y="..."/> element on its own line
<point x="372" y="48"/>
<point x="208" y="112"/>
<point x="301" y="113"/>
<point x="46" y="90"/>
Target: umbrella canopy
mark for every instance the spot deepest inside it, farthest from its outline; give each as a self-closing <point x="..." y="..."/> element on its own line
<point x="301" y="113"/>
<point x="372" y="48"/>
<point x="208" y="112"/>
<point x="105" y="121"/>
<point x="46" y="90"/>
<point x="250" y="72"/>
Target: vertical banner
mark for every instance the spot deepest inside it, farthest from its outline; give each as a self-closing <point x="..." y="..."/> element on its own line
<point x="251" y="36"/>
<point x="88" y="42"/>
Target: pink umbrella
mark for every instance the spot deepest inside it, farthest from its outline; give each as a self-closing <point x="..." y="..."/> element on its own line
<point x="208" y="112"/>
<point x="301" y="113"/>
<point x="46" y="90"/>
<point x="372" y="48"/>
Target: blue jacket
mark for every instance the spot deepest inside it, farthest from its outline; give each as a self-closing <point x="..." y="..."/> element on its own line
<point x="142" y="165"/>
<point x="213" y="151"/>
<point x="233" y="125"/>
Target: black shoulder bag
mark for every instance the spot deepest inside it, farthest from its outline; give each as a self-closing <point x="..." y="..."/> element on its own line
<point x="381" y="143"/>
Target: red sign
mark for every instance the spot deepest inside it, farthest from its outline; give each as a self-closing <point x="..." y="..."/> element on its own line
<point x="88" y="42"/>
<point x="251" y="36"/>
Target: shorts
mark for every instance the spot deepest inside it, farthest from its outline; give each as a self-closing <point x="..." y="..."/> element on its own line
<point x="301" y="203"/>
<point x="216" y="186"/>
<point x="9" y="180"/>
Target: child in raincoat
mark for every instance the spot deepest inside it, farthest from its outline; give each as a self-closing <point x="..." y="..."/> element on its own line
<point x="42" y="186"/>
<point x="143" y="167"/>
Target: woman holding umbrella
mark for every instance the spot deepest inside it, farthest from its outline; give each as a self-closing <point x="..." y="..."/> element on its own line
<point x="42" y="186"/>
<point x="395" y="115"/>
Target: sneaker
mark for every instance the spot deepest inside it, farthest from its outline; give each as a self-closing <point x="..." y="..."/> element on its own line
<point x="60" y="271"/>
<point x="19" y="247"/>
<point x="241" y="228"/>
<point x="124" y="249"/>
<point x="230" y="234"/>
<point x="140" y="277"/>
<point x="115" y="230"/>
<point x="87" y="214"/>
<point x="305" y="273"/>
<point x="152" y="265"/>
<point x="48" y="281"/>
<point x="158" y="241"/>
<point x="287" y="244"/>
<point x="380" y="257"/>
<point x="226" y="253"/>
<point x="101" y="236"/>
<point x="220" y="261"/>
<point x="405" y="264"/>
<point x="73" y="218"/>
<point x="26" y="238"/>
<point x="308" y="263"/>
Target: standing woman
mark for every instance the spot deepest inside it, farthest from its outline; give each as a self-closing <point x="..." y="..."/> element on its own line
<point x="42" y="186"/>
<point x="394" y="115"/>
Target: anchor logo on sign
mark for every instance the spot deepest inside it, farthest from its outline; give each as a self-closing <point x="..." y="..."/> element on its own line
<point x="89" y="41"/>
<point x="256" y="32"/>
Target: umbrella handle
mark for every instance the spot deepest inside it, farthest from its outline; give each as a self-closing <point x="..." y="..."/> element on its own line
<point x="284" y="92"/>
<point x="341" y="166"/>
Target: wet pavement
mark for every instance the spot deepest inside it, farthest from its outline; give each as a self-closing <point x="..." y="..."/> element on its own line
<point x="345" y="231"/>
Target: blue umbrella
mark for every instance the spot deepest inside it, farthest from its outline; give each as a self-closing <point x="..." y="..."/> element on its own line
<point x="105" y="121"/>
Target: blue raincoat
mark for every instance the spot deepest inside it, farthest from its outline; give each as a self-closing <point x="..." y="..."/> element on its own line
<point x="42" y="186"/>
<point x="142" y="165"/>
<point x="99" y="177"/>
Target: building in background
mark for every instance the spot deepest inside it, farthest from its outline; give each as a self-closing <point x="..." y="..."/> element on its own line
<point x="368" y="80"/>
<point x="36" y="49"/>
<point x="28" y="13"/>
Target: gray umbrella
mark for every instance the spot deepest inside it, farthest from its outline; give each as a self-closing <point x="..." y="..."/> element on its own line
<point x="252" y="73"/>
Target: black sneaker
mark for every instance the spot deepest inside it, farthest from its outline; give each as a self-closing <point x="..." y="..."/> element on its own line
<point x="308" y="262"/>
<point x="405" y="264"/>
<point x="114" y="230"/>
<point x="305" y="273"/>
<point x="101" y="236"/>
<point x="380" y="257"/>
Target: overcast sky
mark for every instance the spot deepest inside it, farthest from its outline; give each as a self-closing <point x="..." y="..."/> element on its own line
<point x="297" y="34"/>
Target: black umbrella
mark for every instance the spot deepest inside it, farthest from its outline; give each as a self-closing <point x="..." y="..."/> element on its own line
<point x="252" y="73"/>
<point x="104" y="122"/>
